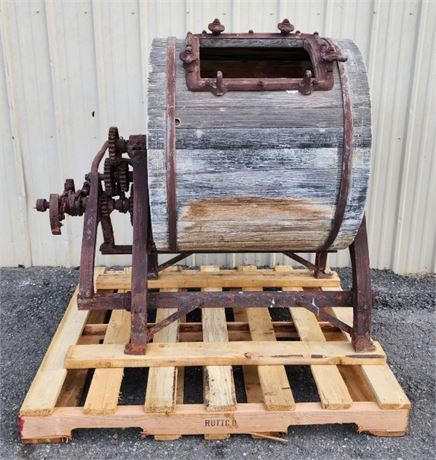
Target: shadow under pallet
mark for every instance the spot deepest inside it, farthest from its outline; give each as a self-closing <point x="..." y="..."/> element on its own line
<point x="214" y="373"/>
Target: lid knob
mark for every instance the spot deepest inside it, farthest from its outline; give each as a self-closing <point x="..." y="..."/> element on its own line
<point x="285" y="27"/>
<point x="216" y="27"/>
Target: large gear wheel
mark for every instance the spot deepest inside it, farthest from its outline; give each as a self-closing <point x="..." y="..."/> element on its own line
<point x="110" y="185"/>
<point x="113" y="137"/>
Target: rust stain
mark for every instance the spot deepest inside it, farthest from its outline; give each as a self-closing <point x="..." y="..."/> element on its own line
<point x="225" y="209"/>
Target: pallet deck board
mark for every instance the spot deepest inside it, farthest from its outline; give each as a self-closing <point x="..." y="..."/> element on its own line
<point x="332" y="390"/>
<point x="219" y="387"/>
<point x="253" y="389"/>
<point x="360" y="387"/>
<point x="273" y="380"/>
<point x="162" y="381"/>
<point x="331" y="387"/>
<point x="104" y="390"/>
<point x="105" y="385"/>
<point x="228" y="353"/>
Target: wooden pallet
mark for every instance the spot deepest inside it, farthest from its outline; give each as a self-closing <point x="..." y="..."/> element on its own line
<point x="79" y="381"/>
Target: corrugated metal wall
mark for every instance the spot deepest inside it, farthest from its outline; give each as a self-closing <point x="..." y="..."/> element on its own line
<point x="69" y="70"/>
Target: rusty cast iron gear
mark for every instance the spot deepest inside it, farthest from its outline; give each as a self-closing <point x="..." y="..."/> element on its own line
<point x="110" y="184"/>
<point x="70" y="202"/>
<point x="113" y="137"/>
<point x="104" y="205"/>
<point x="123" y="176"/>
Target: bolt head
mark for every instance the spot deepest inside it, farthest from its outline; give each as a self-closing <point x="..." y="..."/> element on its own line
<point x="42" y="205"/>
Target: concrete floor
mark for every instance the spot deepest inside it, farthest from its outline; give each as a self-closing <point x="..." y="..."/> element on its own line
<point x="34" y="299"/>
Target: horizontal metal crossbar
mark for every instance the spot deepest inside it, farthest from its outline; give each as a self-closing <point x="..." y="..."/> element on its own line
<point x="231" y="299"/>
<point x="185" y="302"/>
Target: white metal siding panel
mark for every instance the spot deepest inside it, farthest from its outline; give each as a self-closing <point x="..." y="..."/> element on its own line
<point x="69" y="70"/>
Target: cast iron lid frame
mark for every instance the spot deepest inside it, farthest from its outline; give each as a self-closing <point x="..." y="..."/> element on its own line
<point x="323" y="52"/>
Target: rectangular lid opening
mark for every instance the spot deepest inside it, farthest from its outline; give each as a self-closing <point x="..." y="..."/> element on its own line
<point x="254" y="62"/>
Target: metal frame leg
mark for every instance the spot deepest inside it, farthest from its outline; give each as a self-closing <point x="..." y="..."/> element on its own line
<point x="321" y="265"/>
<point x="139" y="335"/>
<point x="362" y="292"/>
<point x="90" y="225"/>
<point x="89" y="240"/>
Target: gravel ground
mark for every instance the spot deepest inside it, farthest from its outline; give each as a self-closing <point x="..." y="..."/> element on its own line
<point x="34" y="299"/>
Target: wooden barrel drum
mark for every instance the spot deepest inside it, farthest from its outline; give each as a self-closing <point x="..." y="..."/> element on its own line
<point x="248" y="147"/>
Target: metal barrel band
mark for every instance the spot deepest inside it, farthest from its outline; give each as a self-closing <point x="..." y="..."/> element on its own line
<point x="344" y="186"/>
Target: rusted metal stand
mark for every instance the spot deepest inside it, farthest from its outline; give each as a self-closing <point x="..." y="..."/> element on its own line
<point x="98" y="204"/>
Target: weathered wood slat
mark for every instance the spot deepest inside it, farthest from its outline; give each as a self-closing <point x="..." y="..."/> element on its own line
<point x="257" y="99"/>
<point x="249" y="117"/>
<point x="216" y="160"/>
<point x="258" y="137"/>
<point x="266" y="109"/>
<point x="240" y="99"/>
<point x="219" y="387"/>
